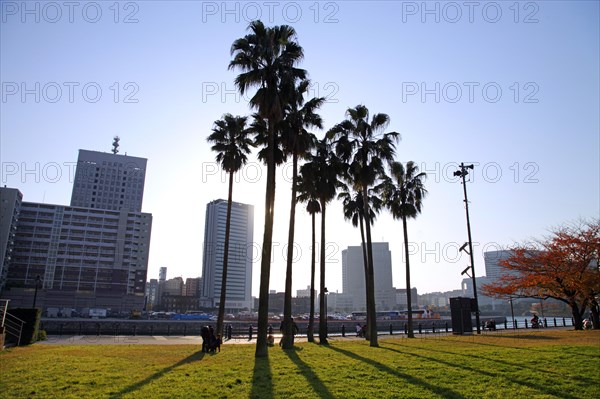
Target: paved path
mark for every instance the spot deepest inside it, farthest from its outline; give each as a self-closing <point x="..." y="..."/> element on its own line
<point x="142" y="340"/>
<point x="196" y="340"/>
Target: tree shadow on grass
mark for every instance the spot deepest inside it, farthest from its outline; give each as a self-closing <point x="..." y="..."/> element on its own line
<point x="531" y="336"/>
<point x="544" y="389"/>
<point x="490" y="359"/>
<point x="195" y="357"/>
<point x="443" y="392"/>
<point x="317" y="385"/>
<point x="262" y="379"/>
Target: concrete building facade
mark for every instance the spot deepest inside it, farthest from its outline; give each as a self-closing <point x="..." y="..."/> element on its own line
<point x="85" y="257"/>
<point x="353" y="276"/>
<point x="91" y="254"/>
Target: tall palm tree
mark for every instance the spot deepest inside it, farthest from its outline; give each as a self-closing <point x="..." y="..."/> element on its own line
<point x="232" y="143"/>
<point x="326" y="169"/>
<point x="307" y="192"/>
<point x="404" y="192"/>
<point x="267" y="59"/>
<point x="353" y="210"/>
<point x="297" y="141"/>
<point x="365" y="149"/>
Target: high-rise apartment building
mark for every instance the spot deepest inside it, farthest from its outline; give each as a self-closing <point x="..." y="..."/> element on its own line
<point x="109" y="181"/>
<point x="85" y="257"/>
<point x="239" y="269"/>
<point x="92" y="254"/>
<point x="10" y="206"/>
<point x="353" y="276"/>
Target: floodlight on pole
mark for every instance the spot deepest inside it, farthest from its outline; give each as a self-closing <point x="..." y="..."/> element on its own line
<point x="462" y="173"/>
<point x="466" y="271"/>
<point x="463" y="248"/>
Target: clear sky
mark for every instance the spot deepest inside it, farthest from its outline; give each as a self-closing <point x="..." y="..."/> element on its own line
<point x="512" y="87"/>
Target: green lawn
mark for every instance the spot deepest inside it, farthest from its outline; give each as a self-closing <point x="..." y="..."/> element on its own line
<point x="558" y="364"/>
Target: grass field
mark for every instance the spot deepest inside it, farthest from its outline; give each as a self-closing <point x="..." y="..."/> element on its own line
<point x="549" y="364"/>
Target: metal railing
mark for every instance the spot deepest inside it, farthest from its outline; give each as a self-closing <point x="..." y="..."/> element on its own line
<point x="13" y="326"/>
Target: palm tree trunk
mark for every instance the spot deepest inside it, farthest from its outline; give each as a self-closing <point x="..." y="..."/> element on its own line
<point x="364" y="251"/>
<point x="311" y="317"/>
<point x="265" y="262"/>
<point x="288" y="332"/>
<point x="371" y="309"/>
<point x="411" y="333"/>
<point x="221" y="315"/>
<point x="322" y="304"/>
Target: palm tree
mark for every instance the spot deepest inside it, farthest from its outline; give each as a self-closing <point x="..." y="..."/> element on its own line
<point x="353" y="210"/>
<point x="267" y="59"/>
<point x="404" y="192"/>
<point x="326" y="169"/>
<point x="232" y="143"/>
<point x="365" y="150"/>
<point x="308" y="193"/>
<point x="297" y="142"/>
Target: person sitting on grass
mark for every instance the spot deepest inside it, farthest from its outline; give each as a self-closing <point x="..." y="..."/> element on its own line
<point x="215" y="343"/>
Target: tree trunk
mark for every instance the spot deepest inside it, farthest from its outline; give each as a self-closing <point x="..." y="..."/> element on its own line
<point x="265" y="262"/>
<point x="595" y="315"/>
<point x="365" y="264"/>
<point x="371" y="308"/>
<point x="288" y="332"/>
<point x="577" y="315"/>
<point x="411" y="333"/>
<point x="322" y="304"/>
<point x="223" y="297"/>
<point x="311" y="317"/>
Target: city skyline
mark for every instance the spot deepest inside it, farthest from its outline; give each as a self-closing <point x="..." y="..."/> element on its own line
<point x="514" y="92"/>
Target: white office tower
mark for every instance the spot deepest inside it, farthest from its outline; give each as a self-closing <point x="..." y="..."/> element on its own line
<point x="353" y="276"/>
<point x="239" y="264"/>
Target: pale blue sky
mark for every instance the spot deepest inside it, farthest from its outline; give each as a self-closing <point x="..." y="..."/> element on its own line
<point x="536" y="144"/>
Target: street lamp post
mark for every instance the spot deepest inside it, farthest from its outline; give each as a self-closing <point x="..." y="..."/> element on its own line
<point x="326" y="325"/>
<point x="37" y="286"/>
<point x="462" y="173"/>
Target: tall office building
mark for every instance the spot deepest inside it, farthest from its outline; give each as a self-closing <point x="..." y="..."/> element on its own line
<point x="239" y="269"/>
<point x="151" y="294"/>
<point x="492" y="259"/>
<point x="353" y="276"/>
<point x="93" y="253"/>
<point x="109" y="181"/>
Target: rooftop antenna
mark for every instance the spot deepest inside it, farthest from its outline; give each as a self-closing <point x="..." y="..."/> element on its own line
<point x="115" y="144"/>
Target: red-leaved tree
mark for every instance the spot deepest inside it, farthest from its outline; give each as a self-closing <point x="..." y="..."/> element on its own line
<point x="564" y="266"/>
